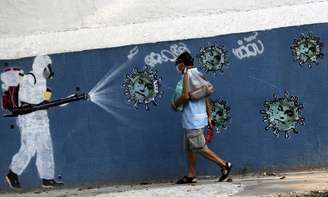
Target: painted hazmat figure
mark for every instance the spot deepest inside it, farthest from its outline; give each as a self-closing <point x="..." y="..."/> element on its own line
<point x="34" y="127"/>
<point x="142" y="87"/>
<point x="283" y="115"/>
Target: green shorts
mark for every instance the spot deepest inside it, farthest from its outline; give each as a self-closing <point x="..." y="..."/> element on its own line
<point x="194" y="140"/>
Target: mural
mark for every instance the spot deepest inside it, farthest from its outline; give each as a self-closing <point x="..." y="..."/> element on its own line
<point x="86" y="138"/>
<point x="213" y="58"/>
<point x="283" y="114"/>
<point x="142" y="87"/>
<point x="220" y="114"/>
<point x="307" y="50"/>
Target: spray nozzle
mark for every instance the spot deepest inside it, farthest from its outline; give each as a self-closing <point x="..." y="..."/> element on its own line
<point x="82" y="96"/>
<point x="86" y="96"/>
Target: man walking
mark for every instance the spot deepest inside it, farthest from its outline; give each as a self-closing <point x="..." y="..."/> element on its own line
<point x="196" y="115"/>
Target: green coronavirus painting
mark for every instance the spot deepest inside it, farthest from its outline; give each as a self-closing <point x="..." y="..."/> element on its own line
<point x="220" y="114"/>
<point x="307" y="50"/>
<point x="283" y="114"/>
<point x="213" y="59"/>
<point x="142" y="87"/>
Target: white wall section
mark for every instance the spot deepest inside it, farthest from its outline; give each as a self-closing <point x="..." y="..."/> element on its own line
<point x="34" y="27"/>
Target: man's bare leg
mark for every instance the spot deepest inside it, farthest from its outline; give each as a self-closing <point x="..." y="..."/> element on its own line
<point x="209" y="154"/>
<point x="191" y="157"/>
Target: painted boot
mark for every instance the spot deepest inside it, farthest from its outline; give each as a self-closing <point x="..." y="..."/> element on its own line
<point x="50" y="183"/>
<point x="12" y="180"/>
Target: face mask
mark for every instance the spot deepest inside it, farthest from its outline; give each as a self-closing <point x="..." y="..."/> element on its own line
<point x="180" y="71"/>
<point x="177" y="67"/>
<point x="47" y="72"/>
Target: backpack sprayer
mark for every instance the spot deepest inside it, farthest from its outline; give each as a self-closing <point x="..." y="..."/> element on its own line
<point x="10" y="78"/>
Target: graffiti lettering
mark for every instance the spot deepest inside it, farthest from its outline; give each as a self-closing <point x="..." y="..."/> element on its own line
<point x="251" y="49"/>
<point x="133" y="52"/>
<point x="166" y="55"/>
<point x="251" y="38"/>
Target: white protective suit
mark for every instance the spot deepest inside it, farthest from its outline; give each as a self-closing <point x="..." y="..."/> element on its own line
<point x="34" y="127"/>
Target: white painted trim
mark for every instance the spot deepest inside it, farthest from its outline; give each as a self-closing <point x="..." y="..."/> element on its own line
<point x="165" y="30"/>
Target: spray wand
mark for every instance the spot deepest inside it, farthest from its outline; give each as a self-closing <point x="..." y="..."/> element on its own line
<point x="45" y="105"/>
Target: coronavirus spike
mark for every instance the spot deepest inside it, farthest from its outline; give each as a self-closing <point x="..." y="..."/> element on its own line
<point x="263" y="112"/>
<point x="287" y="136"/>
<point x="146" y="107"/>
<point x="295" y="131"/>
<point x="276" y="133"/>
<point x="154" y="103"/>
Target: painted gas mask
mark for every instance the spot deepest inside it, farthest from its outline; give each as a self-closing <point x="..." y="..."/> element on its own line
<point x="47" y="72"/>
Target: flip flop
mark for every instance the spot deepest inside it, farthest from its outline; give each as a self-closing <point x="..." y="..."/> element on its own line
<point x="225" y="172"/>
<point x="186" y="180"/>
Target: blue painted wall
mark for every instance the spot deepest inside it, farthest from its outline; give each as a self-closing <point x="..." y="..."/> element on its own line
<point x="93" y="146"/>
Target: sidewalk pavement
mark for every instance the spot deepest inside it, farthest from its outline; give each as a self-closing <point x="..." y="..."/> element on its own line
<point x="302" y="184"/>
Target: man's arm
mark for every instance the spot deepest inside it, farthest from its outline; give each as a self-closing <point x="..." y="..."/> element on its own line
<point x="184" y="98"/>
<point x="209" y="110"/>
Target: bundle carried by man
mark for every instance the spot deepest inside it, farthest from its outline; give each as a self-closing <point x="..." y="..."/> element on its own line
<point x="200" y="87"/>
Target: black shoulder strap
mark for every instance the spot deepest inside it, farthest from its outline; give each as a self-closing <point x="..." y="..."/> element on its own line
<point x="32" y="76"/>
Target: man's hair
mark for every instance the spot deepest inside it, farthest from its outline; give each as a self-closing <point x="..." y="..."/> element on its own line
<point x="185" y="58"/>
